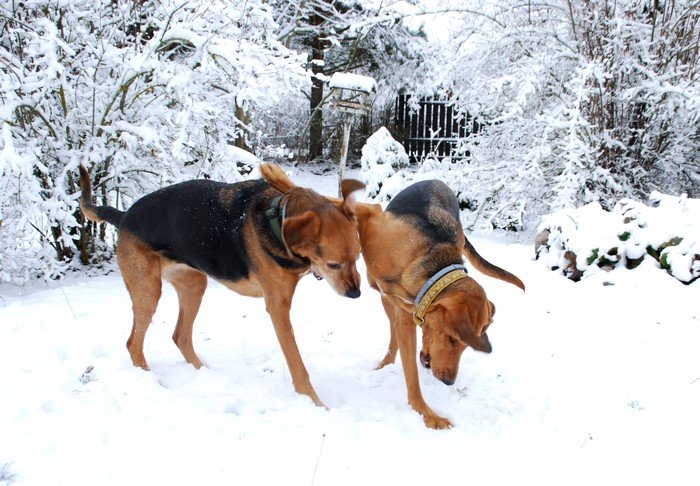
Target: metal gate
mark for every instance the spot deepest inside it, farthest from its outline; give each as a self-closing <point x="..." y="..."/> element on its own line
<point x="434" y="129"/>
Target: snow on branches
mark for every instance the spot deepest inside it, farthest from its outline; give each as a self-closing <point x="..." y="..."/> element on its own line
<point x="142" y="93"/>
<point x="579" y="102"/>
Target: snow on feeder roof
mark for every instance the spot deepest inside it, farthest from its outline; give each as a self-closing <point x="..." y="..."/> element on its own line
<point x="352" y="81"/>
<point x="350" y="92"/>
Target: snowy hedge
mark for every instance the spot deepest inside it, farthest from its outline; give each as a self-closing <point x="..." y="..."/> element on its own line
<point x="579" y="242"/>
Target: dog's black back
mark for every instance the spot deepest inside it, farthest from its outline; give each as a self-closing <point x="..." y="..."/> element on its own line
<point x="432" y="207"/>
<point x="201" y="223"/>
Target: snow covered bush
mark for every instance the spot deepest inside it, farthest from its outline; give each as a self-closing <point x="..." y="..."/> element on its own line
<point x="382" y="157"/>
<point x="143" y="93"/>
<point x="384" y="181"/>
<point x="578" y="242"/>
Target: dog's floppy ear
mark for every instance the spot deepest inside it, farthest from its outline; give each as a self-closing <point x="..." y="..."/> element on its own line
<point x="347" y="187"/>
<point x="301" y="233"/>
<point x="466" y="333"/>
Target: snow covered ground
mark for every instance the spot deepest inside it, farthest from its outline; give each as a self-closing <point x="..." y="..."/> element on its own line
<point x="596" y="382"/>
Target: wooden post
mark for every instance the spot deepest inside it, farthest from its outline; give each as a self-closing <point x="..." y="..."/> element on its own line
<point x="350" y="96"/>
<point x="344" y="152"/>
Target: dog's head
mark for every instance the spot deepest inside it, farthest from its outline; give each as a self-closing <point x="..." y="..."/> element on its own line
<point x="326" y="234"/>
<point x="456" y="320"/>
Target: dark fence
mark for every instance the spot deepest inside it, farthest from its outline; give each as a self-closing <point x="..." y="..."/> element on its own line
<point x="435" y="129"/>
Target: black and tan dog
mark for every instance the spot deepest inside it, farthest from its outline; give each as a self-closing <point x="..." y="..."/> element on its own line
<point x="413" y="251"/>
<point x="249" y="236"/>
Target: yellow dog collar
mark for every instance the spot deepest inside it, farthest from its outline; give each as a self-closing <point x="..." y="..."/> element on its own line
<point x="432" y="288"/>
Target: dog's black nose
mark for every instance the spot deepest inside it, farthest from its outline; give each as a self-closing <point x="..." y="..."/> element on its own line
<point x="353" y="293"/>
<point x="446" y="379"/>
<point x="425" y="360"/>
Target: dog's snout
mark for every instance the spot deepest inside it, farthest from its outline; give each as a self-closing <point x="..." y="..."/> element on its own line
<point x="445" y="375"/>
<point x="353" y="293"/>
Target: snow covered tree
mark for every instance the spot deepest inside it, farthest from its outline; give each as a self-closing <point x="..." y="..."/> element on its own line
<point x="143" y="93"/>
<point x="340" y="35"/>
<point x="580" y="101"/>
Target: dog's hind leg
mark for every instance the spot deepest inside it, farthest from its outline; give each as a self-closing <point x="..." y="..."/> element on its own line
<point x="190" y="285"/>
<point x="140" y="268"/>
<point x="390" y="356"/>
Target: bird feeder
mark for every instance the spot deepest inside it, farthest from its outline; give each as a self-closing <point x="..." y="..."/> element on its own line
<point x="349" y="95"/>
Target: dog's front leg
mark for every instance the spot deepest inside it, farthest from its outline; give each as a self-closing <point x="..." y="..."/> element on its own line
<point x="406" y="335"/>
<point x="278" y="301"/>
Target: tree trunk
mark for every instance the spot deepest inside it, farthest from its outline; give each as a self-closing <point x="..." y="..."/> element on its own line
<point x="244" y="119"/>
<point x="316" y="100"/>
<point x="79" y="233"/>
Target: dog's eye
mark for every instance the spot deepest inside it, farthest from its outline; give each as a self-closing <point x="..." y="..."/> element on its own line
<point x="334" y="266"/>
<point x="453" y="341"/>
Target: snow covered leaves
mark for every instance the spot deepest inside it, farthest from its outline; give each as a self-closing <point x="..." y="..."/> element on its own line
<point x="580" y="241"/>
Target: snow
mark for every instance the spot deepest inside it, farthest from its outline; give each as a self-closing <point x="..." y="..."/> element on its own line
<point x="667" y="231"/>
<point x="352" y="81"/>
<point x="594" y="382"/>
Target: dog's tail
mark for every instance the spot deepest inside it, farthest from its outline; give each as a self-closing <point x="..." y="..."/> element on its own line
<point x="96" y="213"/>
<point x="488" y="268"/>
<point x="276" y="177"/>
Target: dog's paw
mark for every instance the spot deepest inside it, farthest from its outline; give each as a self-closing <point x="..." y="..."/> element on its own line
<point x="312" y="395"/>
<point x="436" y="422"/>
<point x="385" y="362"/>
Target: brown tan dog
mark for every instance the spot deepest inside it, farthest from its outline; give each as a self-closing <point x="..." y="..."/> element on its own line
<point x="254" y="239"/>
<point x="415" y="247"/>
